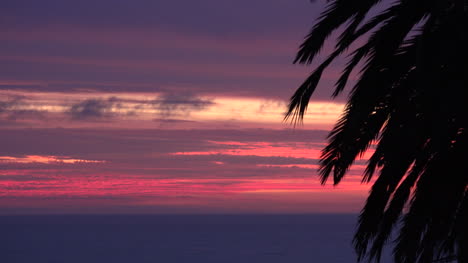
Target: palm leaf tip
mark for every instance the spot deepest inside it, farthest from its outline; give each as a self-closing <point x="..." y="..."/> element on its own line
<point x="300" y="100"/>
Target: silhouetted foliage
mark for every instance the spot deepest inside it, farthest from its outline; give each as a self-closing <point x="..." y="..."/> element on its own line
<point x="410" y="100"/>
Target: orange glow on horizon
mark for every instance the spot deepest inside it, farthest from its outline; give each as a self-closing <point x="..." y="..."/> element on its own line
<point x="182" y="191"/>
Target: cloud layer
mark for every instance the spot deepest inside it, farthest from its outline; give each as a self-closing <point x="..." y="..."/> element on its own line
<point x="166" y="167"/>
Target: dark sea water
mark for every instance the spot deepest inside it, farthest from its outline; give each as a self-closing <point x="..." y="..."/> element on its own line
<point x="177" y="238"/>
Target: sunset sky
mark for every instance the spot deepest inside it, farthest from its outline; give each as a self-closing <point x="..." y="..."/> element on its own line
<point x="117" y="106"/>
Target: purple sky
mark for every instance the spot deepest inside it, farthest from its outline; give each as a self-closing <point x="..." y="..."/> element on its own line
<point x="161" y="107"/>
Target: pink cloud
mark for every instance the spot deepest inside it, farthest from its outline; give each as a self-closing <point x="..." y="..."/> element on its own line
<point x="230" y="171"/>
<point x="47" y="159"/>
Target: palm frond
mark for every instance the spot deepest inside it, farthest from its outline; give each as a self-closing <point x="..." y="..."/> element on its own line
<point x="410" y="100"/>
<point x="336" y="14"/>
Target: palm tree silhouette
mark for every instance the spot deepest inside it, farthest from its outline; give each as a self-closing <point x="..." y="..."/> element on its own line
<point x="410" y="100"/>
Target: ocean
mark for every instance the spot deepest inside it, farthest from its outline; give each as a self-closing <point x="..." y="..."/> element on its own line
<point x="177" y="238"/>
